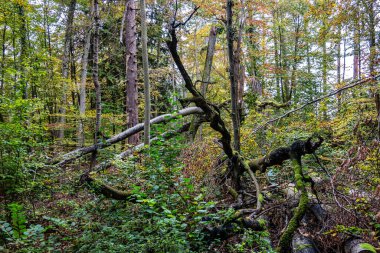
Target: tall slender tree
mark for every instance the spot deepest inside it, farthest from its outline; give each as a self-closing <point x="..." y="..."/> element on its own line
<point x="234" y="88"/>
<point x="82" y="87"/>
<point x="131" y="68"/>
<point x="95" y="76"/>
<point x="144" y="39"/>
<point x="65" y="66"/>
<point x="23" y="49"/>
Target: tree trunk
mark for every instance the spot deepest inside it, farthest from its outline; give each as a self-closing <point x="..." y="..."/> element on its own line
<point x="239" y="66"/>
<point x="2" y="64"/>
<point x="208" y="63"/>
<point x="23" y="51"/>
<point x="324" y="74"/>
<point x="233" y="78"/>
<point x="338" y="65"/>
<point x="276" y="57"/>
<point x="82" y="88"/>
<point x="131" y="68"/>
<point x="370" y="7"/>
<point x="95" y="70"/>
<point x="356" y="63"/>
<point x="146" y="73"/>
<point x="295" y="59"/>
<point x="206" y="75"/>
<point x="65" y="67"/>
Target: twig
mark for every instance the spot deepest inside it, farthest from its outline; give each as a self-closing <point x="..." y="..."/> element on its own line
<point x="331" y="182"/>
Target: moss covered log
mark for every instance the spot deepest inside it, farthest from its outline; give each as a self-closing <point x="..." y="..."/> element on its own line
<point x="107" y="190"/>
<point x="287" y="236"/>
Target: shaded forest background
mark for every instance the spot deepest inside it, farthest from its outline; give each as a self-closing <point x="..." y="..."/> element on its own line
<point x="234" y="87"/>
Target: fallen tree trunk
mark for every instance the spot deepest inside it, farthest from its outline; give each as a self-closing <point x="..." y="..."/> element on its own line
<point x="167" y="135"/>
<point x="106" y="190"/>
<point x="68" y="157"/>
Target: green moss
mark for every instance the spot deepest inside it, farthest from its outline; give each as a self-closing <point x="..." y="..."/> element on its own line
<point x="287" y="236"/>
<point x="304" y="246"/>
<point x="368" y="247"/>
<point x="261" y="197"/>
<point x="262" y="222"/>
<point x="233" y="192"/>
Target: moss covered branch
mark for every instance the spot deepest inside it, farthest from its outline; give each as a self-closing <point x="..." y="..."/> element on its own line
<point x="287" y="236"/>
<point x="107" y="190"/>
<point x="278" y="156"/>
<point x="273" y="104"/>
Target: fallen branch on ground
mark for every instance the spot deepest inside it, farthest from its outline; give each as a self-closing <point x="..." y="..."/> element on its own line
<point x="167" y="135"/>
<point x="68" y="157"/>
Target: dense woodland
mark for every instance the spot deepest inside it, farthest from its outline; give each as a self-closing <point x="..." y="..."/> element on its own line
<point x="190" y="126"/>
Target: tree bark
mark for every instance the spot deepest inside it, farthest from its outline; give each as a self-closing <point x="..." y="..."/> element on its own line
<point x="95" y="76"/>
<point x="356" y="63"/>
<point x="338" y="64"/>
<point x="295" y="59"/>
<point x="208" y="63"/>
<point x="2" y="64"/>
<point x="206" y="75"/>
<point x="23" y="51"/>
<point x="131" y="69"/>
<point x="233" y="77"/>
<point x="82" y="88"/>
<point x="145" y="61"/>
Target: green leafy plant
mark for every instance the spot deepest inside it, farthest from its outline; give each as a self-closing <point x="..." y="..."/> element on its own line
<point x="18" y="220"/>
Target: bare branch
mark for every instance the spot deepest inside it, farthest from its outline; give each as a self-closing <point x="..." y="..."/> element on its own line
<point x="167" y="135"/>
<point x="188" y="18"/>
<point x="68" y="157"/>
<point x="351" y="85"/>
